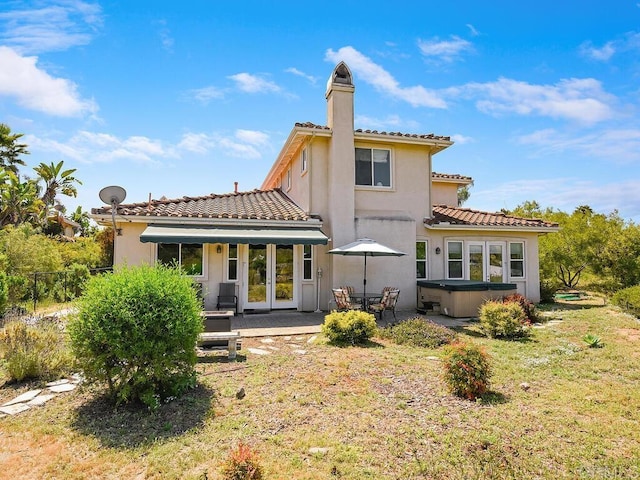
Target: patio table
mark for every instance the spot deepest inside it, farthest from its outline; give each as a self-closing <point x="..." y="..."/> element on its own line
<point x="366" y="299"/>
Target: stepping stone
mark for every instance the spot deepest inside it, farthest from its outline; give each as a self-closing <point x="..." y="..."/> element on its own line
<point x="432" y="358"/>
<point x="77" y="378"/>
<point x="318" y="451"/>
<point x="66" y="387"/>
<point x="25" y="397"/>
<point x="62" y="381"/>
<point x="312" y="339"/>
<point x="258" y="351"/>
<point x="13" y="409"/>
<point x="287" y="338"/>
<point x="275" y="349"/>
<point x="300" y="352"/>
<point x="40" y="400"/>
<point x="267" y="340"/>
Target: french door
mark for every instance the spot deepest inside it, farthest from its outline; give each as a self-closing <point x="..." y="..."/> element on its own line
<point x="487" y="261"/>
<point x="270" y="277"/>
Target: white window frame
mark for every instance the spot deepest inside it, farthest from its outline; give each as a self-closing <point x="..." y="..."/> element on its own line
<point x="289" y="179"/>
<point x="424" y="260"/>
<point x="522" y="260"/>
<point x="461" y="260"/>
<point x="309" y="260"/>
<point x="201" y="276"/>
<point x="229" y="259"/>
<point x="373" y="185"/>
<point x="304" y="159"/>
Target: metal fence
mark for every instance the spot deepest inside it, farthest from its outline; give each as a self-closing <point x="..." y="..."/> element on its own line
<point x="65" y="285"/>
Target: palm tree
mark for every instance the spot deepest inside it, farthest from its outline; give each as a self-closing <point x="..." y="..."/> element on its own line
<point x="57" y="181"/>
<point x="10" y="149"/>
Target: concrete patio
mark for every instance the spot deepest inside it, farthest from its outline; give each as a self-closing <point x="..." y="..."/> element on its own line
<point x="288" y="322"/>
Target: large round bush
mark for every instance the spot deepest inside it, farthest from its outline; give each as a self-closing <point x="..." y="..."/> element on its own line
<point x="136" y="330"/>
<point x="351" y="327"/>
<point x="506" y="320"/>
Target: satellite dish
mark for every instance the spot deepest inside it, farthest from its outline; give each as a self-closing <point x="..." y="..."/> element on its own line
<point x="113" y="195"/>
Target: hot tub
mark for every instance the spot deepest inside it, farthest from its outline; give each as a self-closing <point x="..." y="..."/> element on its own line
<point x="460" y="298"/>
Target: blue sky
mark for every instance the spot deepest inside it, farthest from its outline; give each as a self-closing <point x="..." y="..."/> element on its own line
<point x="185" y="98"/>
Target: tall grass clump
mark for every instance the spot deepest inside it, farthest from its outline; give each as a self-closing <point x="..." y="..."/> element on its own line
<point x="38" y="351"/>
<point x="506" y="320"/>
<point x="418" y="332"/>
<point x="136" y="330"/>
<point x="467" y="370"/>
<point x="352" y="327"/>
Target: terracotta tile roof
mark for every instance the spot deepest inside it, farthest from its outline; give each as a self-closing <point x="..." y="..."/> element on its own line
<point x="450" y="176"/>
<point x="254" y="205"/>
<point x="466" y="216"/>
<point x="429" y="136"/>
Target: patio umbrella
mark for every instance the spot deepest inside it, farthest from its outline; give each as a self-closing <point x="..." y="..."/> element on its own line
<point x="366" y="247"/>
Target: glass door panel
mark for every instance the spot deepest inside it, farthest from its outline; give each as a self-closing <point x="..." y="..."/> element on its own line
<point x="257" y="284"/>
<point x="496" y="262"/>
<point x="476" y="262"/>
<point x="283" y="291"/>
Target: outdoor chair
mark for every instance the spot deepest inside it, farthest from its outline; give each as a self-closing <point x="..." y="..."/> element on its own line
<point x="343" y="301"/>
<point x="349" y="289"/>
<point x="387" y="302"/>
<point x="227" y="298"/>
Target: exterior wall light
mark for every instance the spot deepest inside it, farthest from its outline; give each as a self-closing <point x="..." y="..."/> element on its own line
<point x="219" y="249"/>
<point x="438" y="250"/>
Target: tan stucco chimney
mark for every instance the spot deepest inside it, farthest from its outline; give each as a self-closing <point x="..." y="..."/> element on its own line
<point x="341" y="171"/>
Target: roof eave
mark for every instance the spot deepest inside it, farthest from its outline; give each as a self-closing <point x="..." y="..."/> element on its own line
<point x="296" y="137"/>
<point x="242" y="222"/>
<point x="437" y="144"/>
<point x="499" y="228"/>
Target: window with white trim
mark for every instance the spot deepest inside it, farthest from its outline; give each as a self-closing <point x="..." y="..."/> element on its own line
<point x="303" y="160"/>
<point x="516" y="259"/>
<point x="189" y="257"/>
<point x="307" y="262"/>
<point x="421" y="258"/>
<point x="288" y="179"/>
<point x="373" y="167"/>
<point x="232" y="262"/>
<point x="454" y="260"/>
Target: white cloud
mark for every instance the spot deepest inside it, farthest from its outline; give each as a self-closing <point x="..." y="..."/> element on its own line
<point x="383" y="81"/>
<point x="196" y="143"/>
<point x="390" y="122"/>
<point x="206" y="94"/>
<point x="461" y="139"/>
<point x="252" y="137"/>
<point x="299" y="73"/>
<point x="602" y="54"/>
<point x="580" y="100"/>
<point x="35" y="89"/>
<point x="166" y="39"/>
<point x="473" y="30"/>
<point x="57" y="26"/>
<point x="445" y="50"/>
<point x="90" y="147"/>
<point x="254" y="84"/>
<point x="615" y="145"/>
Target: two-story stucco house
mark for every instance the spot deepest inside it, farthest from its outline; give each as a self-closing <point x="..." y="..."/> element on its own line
<point x="329" y="186"/>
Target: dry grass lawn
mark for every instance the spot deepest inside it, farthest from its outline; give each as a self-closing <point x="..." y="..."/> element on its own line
<point x="381" y="411"/>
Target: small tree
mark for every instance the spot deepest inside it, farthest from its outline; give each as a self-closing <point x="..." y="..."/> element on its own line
<point x="467" y="370"/>
<point x="137" y="330"/>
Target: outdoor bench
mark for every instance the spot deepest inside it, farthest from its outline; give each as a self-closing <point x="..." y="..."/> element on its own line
<point x="230" y="337"/>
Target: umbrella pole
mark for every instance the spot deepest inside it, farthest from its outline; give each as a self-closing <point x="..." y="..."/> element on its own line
<point x="364" y="282"/>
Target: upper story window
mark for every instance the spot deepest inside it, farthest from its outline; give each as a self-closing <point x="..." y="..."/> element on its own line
<point x="373" y="167"/>
<point x="303" y="160"/>
<point x="288" y="179"/>
<point x="187" y="256"/>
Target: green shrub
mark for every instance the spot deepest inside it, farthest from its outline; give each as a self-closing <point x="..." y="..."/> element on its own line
<point x="467" y="370"/>
<point x="529" y="309"/>
<point x="418" y="332"/>
<point x="548" y="289"/>
<point x="506" y="320"/>
<point x="242" y="464"/>
<point x="593" y="341"/>
<point x="136" y="330"/>
<point x="4" y="292"/>
<point x="628" y="299"/>
<point x="353" y="327"/>
<point x="34" y="351"/>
